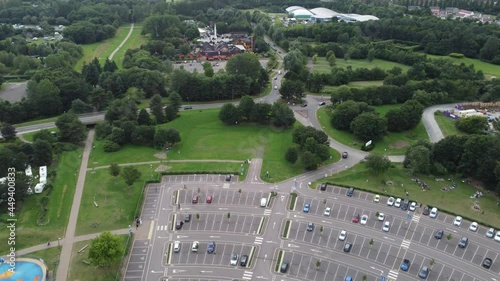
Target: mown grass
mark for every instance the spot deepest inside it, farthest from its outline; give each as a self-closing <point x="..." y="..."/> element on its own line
<point x="61" y="198"/>
<point x="37" y="122"/>
<point x="392" y="144"/>
<point x="29" y="136"/>
<point x="447" y="125"/>
<point x="487" y="68"/>
<point x="357" y="84"/>
<point x="102" y="50"/>
<point x="322" y="66"/>
<point x="135" y="40"/>
<point x="456" y="200"/>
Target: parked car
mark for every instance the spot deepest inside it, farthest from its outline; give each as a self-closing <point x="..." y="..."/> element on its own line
<point x="284" y="267"/>
<point x="355" y="218"/>
<point x="327" y="211"/>
<point x="397" y="203"/>
<point x="187" y="217"/>
<point x="342" y="235"/>
<point x="497" y="236"/>
<point x="463" y="242"/>
<point x="405" y="265"/>
<point x="376" y="198"/>
<point x="457" y="221"/>
<point x="306" y="208"/>
<point x="439" y="234"/>
<point x="195" y="199"/>
<point x="424" y="272"/>
<point x="348" y="278"/>
<point x="364" y="219"/>
<point x="322" y="103"/>
<point x="490" y="233"/>
<point x="322" y="187"/>
<point x="350" y="192"/>
<point x="209" y="199"/>
<point x="381" y="216"/>
<point x="433" y="213"/>
<point x="195" y="246"/>
<point x="345" y="154"/>
<point x="413" y="206"/>
<point x="263" y="202"/>
<point x="244" y="260"/>
<point x="228" y="177"/>
<point x="187" y="107"/>
<point x="387" y="226"/>
<point x="390" y="201"/>
<point x="310" y="227"/>
<point x="211" y="247"/>
<point x="234" y="259"/>
<point x="177" y="246"/>
<point x="347" y="247"/>
<point x="425" y="211"/>
<point x="487" y="263"/>
<point x="473" y="226"/>
<point x="405" y="204"/>
<point x="303" y="105"/>
<point x="178" y="224"/>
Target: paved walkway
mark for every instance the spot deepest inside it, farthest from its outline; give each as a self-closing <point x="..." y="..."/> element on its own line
<point x="169" y="161"/>
<point x="122" y="43"/>
<point x="67" y="241"/>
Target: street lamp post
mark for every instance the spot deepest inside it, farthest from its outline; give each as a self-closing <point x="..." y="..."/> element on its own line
<point x="59" y="241"/>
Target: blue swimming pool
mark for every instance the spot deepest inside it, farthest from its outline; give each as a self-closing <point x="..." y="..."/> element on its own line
<point x="25" y="270"/>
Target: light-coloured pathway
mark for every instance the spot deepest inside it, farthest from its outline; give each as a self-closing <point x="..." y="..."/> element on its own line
<point x="67" y="241"/>
<point x="123" y="42"/>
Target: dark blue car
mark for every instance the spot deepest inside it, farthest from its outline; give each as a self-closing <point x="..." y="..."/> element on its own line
<point x="405" y="265"/>
<point x="211" y="247"/>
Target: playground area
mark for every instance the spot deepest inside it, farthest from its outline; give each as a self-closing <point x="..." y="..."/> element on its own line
<point x="23" y="269"/>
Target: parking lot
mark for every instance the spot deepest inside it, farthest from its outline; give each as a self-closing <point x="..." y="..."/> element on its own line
<point x="221" y="196"/>
<point x="198" y="178"/>
<point x="218" y="222"/>
<point x="221" y="256"/>
<point x="303" y="267"/>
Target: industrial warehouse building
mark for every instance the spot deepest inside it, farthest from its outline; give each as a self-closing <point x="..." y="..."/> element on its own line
<point x="323" y="14"/>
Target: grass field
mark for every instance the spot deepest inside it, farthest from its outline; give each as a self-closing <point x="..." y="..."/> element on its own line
<point x="60" y="202"/>
<point x="36" y="122"/>
<point x="103" y="49"/>
<point x="29" y="136"/>
<point x="447" y="125"/>
<point x="392" y="144"/>
<point x="134" y="41"/>
<point x="456" y="200"/>
<point x="488" y="69"/>
<point x="81" y="271"/>
<point x="322" y="65"/>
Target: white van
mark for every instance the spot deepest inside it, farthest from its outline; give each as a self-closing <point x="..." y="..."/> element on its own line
<point x="263" y="202"/>
<point x="434" y="212"/>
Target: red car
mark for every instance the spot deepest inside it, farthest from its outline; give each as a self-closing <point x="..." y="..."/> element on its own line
<point x="209" y="199"/>
<point x="355" y="218"/>
<point x="195" y="199"/>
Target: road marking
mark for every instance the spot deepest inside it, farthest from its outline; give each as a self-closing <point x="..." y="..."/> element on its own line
<point x="247" y="275"/>
<point x="182" y="236"/>
<point x="299" y="217"/>
<point x="214" y="236"/>
<point x="226" y="185"/>
<point x="258" y="240"/>
<point x="267" y="212"/>
<point x="415" y="218"/>
<point x="406" y="243"/>
<point x="316" y="251"/>
<point x="392" y="275"/>
<point x="293" y="246"/>
<point x="151" y="228"/>
<point x="161" y="227"/>
<point x="385" y="237"/>
<point x="177" y="270"/>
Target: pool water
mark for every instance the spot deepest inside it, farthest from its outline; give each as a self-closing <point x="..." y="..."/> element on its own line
<point x="26" y="270"/>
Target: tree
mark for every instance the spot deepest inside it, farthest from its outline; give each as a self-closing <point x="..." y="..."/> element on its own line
<point x="295" y="61"/>
<point x="321" y="229"/>
<point x="45" y="95"/>
<point x="156" y="107"/>
<point x="114" y="169"/>
<point x="71" y="129"/>
<point x="371" y="240"/>
<point x="109" y="66"/>
<point x="282" y="115"/>
<point x="173" y="136"/>
<point x="490" y="49"/>
<point x="131" y="175"/>
<point x="332" y="60"/>
<point x="346" y="112"/>
<point x="418" y="159"/>
<point x="432" y="262"/>
<point x="302" y="133"/>
<point x="78" y="106"/>
<point x="228" y="216"/>
<point x="292" y="154"/>
<point x="42" y="153"/>
<point x="472" y="124"/>
<point x="105" y="250"/>
<point x="245" y="107"/>
<point x="244" y="64"/>
<point x="229" y="114"/>
<point x="8" y="132"/>
<point x="448" y="237"/>
<point x="174" y="100"/>
<point x="309" y="160"/>
<point x="318" y="264"/>
<point x="208" y="70"/>
<point x="292" y="89"/>
<point x="91" y="73"/>
<point x="369" y="126"/>
<point x="364" y="277"/>
<point x="197" y="217"/>
<point x="377" y="164"/>
<point x="371" y="55"/>
<point x="45" y="135"/>
<point x="315" y="58"/>
<point x="143" y="117"/>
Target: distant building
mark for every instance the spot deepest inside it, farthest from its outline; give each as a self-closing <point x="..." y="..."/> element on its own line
<point x="321" y="14"/>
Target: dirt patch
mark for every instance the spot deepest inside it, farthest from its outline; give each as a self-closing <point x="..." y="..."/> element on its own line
<point x="161" y="155"/>
<point x="399" y="144"/>
<point x="162" y="168"/>
<point x="475" y="207"/>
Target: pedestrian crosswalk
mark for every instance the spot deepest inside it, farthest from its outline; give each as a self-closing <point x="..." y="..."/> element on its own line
<point x="161" y="227"/>
<point x="393" y="275"/>
<point x="258" y="240"/>
<point x="247" y="275"/>
<point x="267" y="212"/>
<point x="405" y="243"/>
<point x="415" y="218"/>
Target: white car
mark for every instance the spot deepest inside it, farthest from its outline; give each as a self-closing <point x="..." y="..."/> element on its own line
<point x="195" y="246"/>
<point x="177" y="246"/>
<point x="397" y="204"/>
<point x="381" y="217"/>
<point x="234" y="259"/>
<point x="434" y="212"/>
<point x="342" y="235"/>
<point x="364" y="219"/>
<point x="390" y="201"/>
<point x="497" y="236"/>
<point x="327" y="211"/>
<point x="490" y="233"/>
<point x="413" y="206"/>
<point x="386" y="226"/>
<point x="376" y="198"/>
<point x="473" y="226"/>
<point x="457" y="221"/>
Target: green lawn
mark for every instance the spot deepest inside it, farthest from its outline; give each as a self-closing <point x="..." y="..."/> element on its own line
<point x="61" y="198"/>
<point x="447" y="125"/>
<point x="134" y="41"/>
<point x="322" y="65"/>
<point x="456" y="200"/>
<point x="103" y="49"/>
<point x="392" y="144"/>
<point x="36" y="122"/>
<point x="487" y="68"/>
<point x="29" y="136"/>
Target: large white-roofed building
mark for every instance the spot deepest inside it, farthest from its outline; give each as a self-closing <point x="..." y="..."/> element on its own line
<point x="356" y="17"/>
<point x="321" y="14"/>
<point x="299" y="12"/>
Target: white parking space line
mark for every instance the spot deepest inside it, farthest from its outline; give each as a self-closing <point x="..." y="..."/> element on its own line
<point x="247" y="275"/>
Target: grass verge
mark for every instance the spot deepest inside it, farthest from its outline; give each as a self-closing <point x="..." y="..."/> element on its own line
<point x="322" y="66"/>
<point x="36" y="122"/>
<point x="29" y="136"/>
<point x="455" y="201"/>
<point x="278" y="261"/>
<point x="392" y="144"/>
<point x="447" y="125"/>
<point x="287" y="227"/>
<point x="293" y="198"/>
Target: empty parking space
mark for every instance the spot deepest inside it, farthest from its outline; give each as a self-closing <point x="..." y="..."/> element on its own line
<point x="137" y="261"/>
<point x="220" y="257"/>
<point x="219" y="222"/>
<point x="198" y="179"/>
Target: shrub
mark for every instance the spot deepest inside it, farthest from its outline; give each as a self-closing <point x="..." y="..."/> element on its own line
<point x="368" y="148"/>
<point x="110" y="146"/>
<point x="456" y="55"/>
